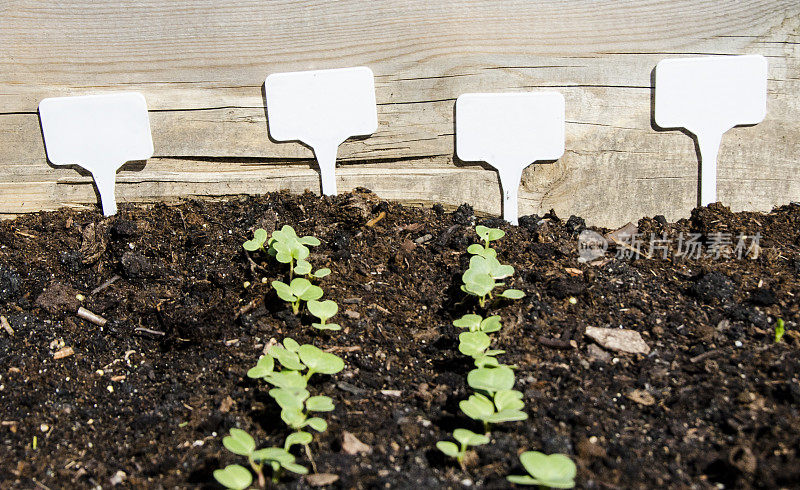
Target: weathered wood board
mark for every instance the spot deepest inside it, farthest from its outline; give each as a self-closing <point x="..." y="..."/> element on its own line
<point x="201" y="65"/>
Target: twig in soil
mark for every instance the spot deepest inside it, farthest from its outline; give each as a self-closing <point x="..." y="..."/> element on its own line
<point x="555" y="343"/>
<point x="105" y="285"/>
<point x="247" y="308"/>
<point x="349" y="348"/>
<point x="24" y="234"/>
<point x="704" y="356"/>
<point x="91" y="317"/>
<point x="370" y="224"/>
<point x="6" y="326"/>
<point x="40" y="484"/>
<point x="253" y="265"/>
<point x="148" y="330"/>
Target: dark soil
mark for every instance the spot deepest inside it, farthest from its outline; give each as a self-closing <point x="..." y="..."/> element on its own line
<point x="145" y="400"/>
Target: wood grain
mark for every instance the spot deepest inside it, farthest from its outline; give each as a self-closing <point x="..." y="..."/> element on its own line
<point x="201" y="65"/>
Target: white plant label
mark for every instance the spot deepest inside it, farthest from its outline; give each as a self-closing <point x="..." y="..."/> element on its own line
<point x="707" y="97"/>
<point x="322" y="108"/>
<point x="99" y="133"/>
<point x="509" y="132"/>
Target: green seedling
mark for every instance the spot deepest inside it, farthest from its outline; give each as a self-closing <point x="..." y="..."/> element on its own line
<point x="297" y="403"/>
<point x="290" y="249"/>
<point x="554" y="470"/>
<point x="287" y="248"/>
<point x="489" y="235"/>
<point x="465" y="438"/>
<point x="300" y="289"/>
<point x="476" y="345"/>
<point x="481" y="279"/>
<point x="779" y="330"/>
<point x="258" y="241"/>
<point x="476" y="323"/>
<point x="297" y="438"/>
<point x="323" y="310"/>
<point x="500" y="403"/>
<point x="241" y="443"/>
<point x="290" y="384"/>
<point x="295" y="358"/>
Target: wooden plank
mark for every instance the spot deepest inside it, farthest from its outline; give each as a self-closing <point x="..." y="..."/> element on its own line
<point x="201" y="65"/>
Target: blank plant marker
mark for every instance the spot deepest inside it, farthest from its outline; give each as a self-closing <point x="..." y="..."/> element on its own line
<point x="99" y="133"/>
<point x="322" y="108"/>
<point x="708" y="96"/>
<point x="509" y="132"/>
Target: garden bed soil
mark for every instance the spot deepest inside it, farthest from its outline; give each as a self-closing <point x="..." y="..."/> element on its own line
<point x="145" y="400"/>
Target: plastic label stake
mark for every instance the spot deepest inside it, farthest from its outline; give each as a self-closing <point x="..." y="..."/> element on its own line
<point x="322" y="108"/>
<point x="707" y="97"/>
<point x="509" y="132"/>
<point x="99" y="133"/>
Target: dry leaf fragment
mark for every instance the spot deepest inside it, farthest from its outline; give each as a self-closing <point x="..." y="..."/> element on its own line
<point x="619" y="339"/>
<point x="351" y="445"/>
<point x="642" y="397"/>
<point x="321" y="479"/>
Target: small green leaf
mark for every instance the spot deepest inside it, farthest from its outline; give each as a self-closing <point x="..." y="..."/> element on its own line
<point x="508" y="400"/>
<point x="469" y="438"/>
<point x="317" y="424"/>
<point x="477" y="407"/>
<point x="319" y="403"/>
<point x="290" y="380"/>
<point x="320" y="273"/>
<point x="323" y="309"/>
<point x="326" y="326"/>
<point x="475" y="249"/>
<point x="234" y="477"/>
<point x="291" y="345"/>
<point x="498" y="270"/>
<point x="264" y="366"/>
<point x="277" y="454"/>
<point x="489" y="234"/>
<point x="320" y="361"/>
<point x="507" y="416"/>
<point x="289" y="399"/>
<point x="448" y="448"/>
<point x="294" y="418"/>
<point x="302" y="268"/>
<point x="470" y="321"/>
<point x="286" y="233"/>
<point x="486" y="361"/>
<point x="473" y="343"/>
<point x="780" y="329"/>
<point x="491" y="379"/>
<point x="287" y="358"/>
<point x="554" y="470"/>
<point x="310" y="240"/>
<point x="522" y="480"/>
<point x="479" y="265"/>
<point x="299" y="437"/>
<point x="513" y="294"/>
<point x="478" y="283"/>
<point x="283" y="252"/>
<point x="239" y="442"/>
<point x="303" y="289"/>
<point x="284" y="291"/>
<point x="491" y="324"/>
<point x="259" y="238"/>
<point x="295" y="468"/>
